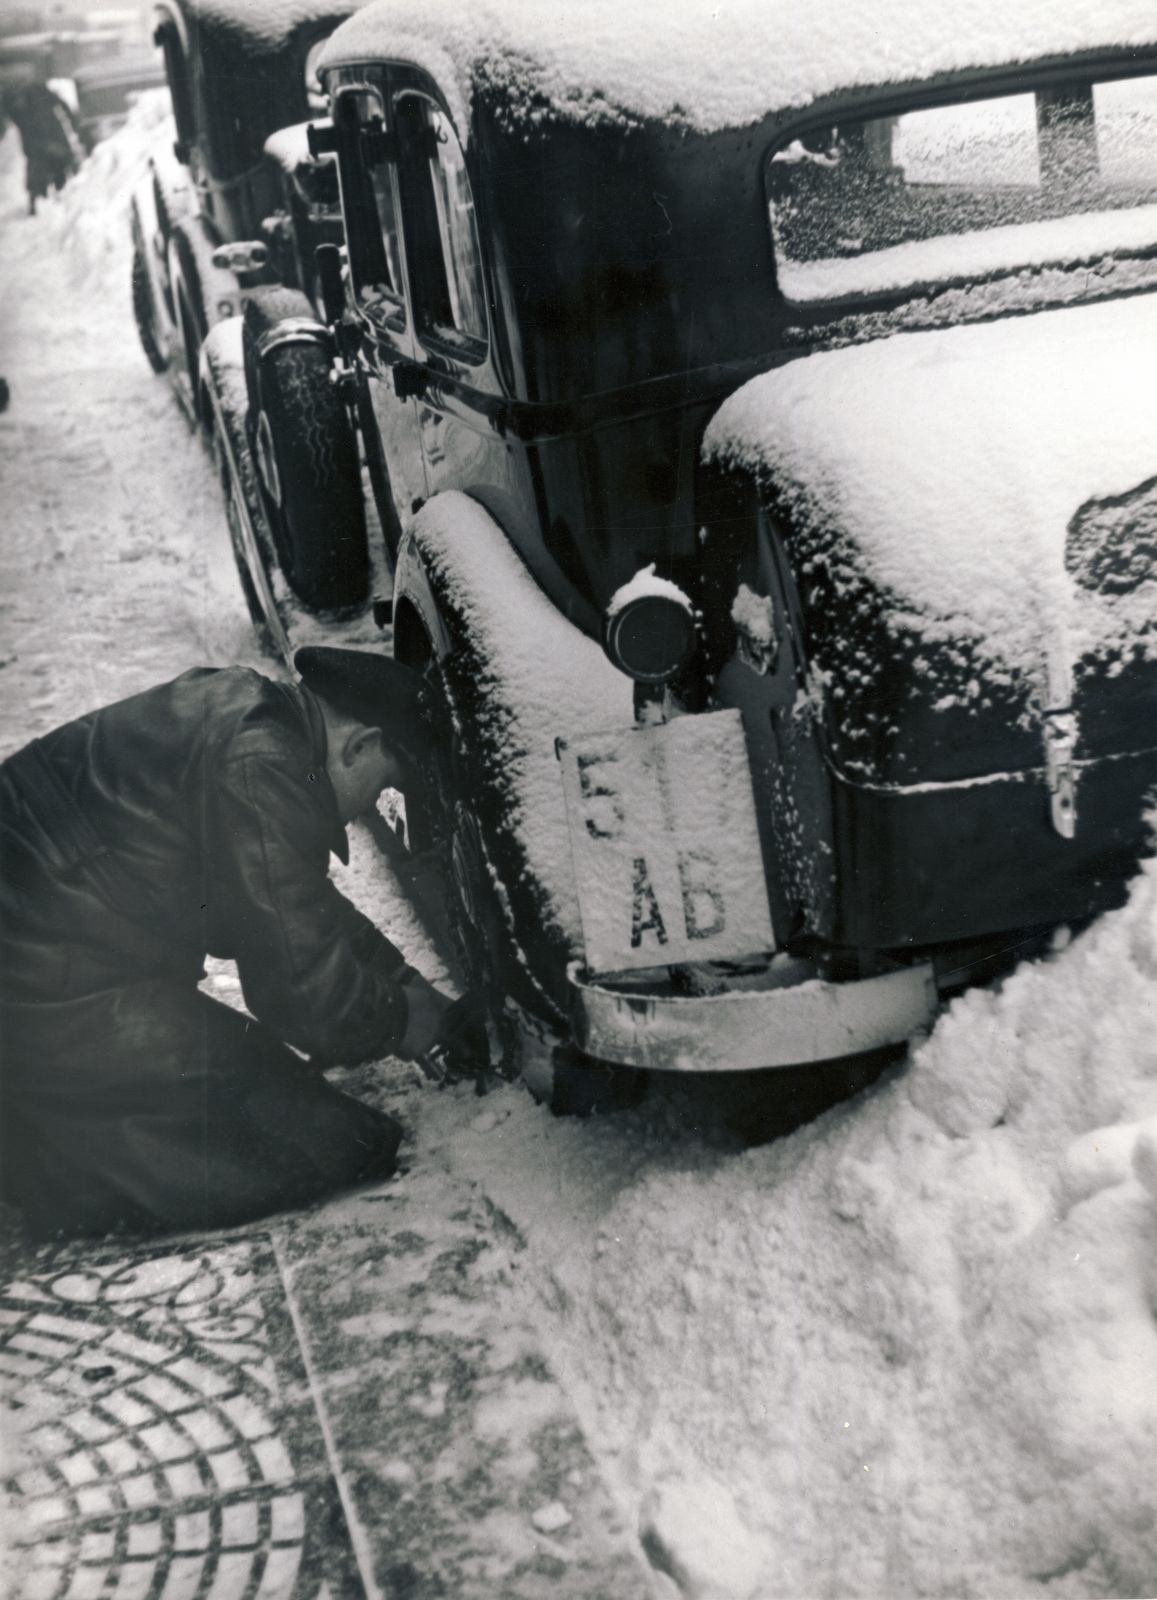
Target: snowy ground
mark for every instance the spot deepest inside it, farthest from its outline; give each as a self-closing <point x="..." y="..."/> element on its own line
<point x="910" y="1349"/>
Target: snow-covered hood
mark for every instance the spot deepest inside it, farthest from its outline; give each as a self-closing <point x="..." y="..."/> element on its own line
<point x="993" y="487"/>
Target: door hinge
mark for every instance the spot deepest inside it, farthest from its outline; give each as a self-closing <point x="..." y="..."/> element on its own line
<point x="1060" y="740"/>
<point x="321" y="137"/>
<point x="411" y="378"/>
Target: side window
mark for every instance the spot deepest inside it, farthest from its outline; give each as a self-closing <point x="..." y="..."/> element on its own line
<point x="441" y="231"/>
<point x="366" y="157"/>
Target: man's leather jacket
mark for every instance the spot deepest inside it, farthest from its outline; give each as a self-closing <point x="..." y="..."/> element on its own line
<point x="194" y="818"/>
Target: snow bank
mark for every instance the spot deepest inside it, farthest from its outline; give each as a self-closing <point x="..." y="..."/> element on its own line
<point x="85" y="228"/>
<point x="945" y="468"/>
<point x="910" y="1349"/>
<point x="708" y="65"/>
<point x="115" y="566"/>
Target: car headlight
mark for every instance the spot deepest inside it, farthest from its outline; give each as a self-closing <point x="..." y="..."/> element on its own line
<point x="649" y="628"/>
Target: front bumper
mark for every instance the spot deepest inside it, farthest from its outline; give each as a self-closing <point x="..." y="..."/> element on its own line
<point x="743" y="1030"/>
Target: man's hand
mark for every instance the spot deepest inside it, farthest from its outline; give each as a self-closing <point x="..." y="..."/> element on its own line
<point x="448" y="1037"/>
<point x="462" y="1048"/>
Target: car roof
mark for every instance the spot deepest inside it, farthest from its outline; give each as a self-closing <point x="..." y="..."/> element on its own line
<point x="715" y="64"/>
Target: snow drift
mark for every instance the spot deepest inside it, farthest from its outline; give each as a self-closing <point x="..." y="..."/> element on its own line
<point x="912" y="1348"/>
<point x="85" y="229"/>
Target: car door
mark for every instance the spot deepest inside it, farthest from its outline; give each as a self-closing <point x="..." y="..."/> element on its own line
<point x="377" y="264"/>
<point x="448" y="298"/>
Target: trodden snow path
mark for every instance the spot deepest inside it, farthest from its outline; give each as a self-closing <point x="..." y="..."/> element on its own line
<point x="910" y="1349"/>
<point x="115" y="566"/>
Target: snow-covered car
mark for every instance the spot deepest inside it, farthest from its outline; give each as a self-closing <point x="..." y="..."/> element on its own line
<point x="228" y="222"/>
<point x="763" y="409"/>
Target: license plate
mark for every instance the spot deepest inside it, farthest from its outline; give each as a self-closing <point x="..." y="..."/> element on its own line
<point x="666" y="850"/>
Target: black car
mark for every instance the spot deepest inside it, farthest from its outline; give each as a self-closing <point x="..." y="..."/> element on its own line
<point x="227" y="224"/>
<point x="206" y="222"/>
<point x="681" y="364"/>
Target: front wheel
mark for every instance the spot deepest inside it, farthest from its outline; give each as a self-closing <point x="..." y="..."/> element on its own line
<point x="145" y="313"/>
<point x="259" y="601"/>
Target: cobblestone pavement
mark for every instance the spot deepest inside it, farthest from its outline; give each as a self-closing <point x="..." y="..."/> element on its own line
<point x="353" y="1403"/>
<point x="464" y="1456"/>
<point x="162" y="1450"/>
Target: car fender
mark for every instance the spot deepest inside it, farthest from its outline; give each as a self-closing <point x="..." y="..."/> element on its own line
<point x="149" y="240"/>
<point x="214" y="292"/>
<point x="173" y="196"/>
<point x="520" y="673"/>
<point x="412" y="588"/>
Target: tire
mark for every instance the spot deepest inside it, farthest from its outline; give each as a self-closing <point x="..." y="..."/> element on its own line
<point x="145" y="313"/>
<point x="580" y="1087"/>
<point x="306" y="455"/>
<point x="231" y="491"/>
<point x="572" y="1084"/>
<point x="476" y="918"/>
<point x="191" y="323"/>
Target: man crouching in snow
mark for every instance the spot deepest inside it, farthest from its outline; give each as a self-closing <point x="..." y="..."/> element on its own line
<point x="199" y="817"/>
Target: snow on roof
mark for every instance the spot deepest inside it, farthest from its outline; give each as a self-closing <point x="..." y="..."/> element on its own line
<point x="948" y="467"/>
<point x="268" y="23"/>
<point x="712" y="64"/>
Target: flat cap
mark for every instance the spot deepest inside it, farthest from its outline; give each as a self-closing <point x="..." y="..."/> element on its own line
<point x="377" y="691"/>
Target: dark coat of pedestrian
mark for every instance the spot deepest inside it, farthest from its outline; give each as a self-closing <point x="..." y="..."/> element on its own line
<point x="52" y="150"/>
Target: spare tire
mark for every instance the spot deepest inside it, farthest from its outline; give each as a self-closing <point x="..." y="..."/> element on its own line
<point x="306" y="454"/>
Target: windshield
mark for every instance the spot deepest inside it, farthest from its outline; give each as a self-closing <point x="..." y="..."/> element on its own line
<point x="1065" y="175"/>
